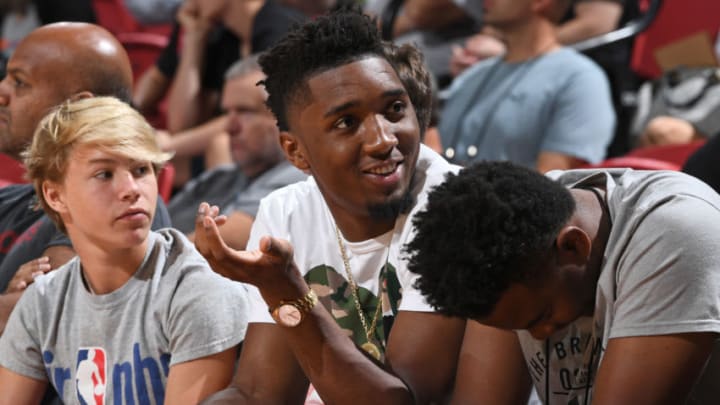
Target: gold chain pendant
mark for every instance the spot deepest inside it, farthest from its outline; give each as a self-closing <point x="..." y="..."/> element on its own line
<point x="371" y="349"/>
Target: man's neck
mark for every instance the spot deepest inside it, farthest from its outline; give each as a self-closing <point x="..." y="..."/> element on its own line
<point x="530" y="40"/>
<point x="593" y="217"/>
<point x="357" y="229"/>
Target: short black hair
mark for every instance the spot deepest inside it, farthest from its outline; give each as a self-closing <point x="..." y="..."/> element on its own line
<point x="329" y="41"/>
<point x="480" y="231"/>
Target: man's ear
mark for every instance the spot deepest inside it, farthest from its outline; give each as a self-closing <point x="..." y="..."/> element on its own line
<point x="81" y="95"/>
<point x="294" y="152"/>
<point x="53" y="196"/>
<point x="573" y="245"/>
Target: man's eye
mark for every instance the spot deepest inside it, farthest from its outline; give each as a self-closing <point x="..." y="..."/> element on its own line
<point x="103" y="175"/>
<point x="344" y="123"/>
<point x="398" y="107"/>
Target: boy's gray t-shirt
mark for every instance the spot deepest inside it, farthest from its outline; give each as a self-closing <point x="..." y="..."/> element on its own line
<point x="120" y="346"/>
<point x="660" y="275"/>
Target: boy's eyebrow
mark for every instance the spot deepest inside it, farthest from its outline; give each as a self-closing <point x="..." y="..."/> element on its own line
<point x="102" y="160"/>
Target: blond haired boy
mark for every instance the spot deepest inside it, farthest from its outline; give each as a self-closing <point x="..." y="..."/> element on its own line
<point x="137" y="316"/>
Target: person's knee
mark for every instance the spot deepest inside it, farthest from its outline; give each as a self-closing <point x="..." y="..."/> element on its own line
<point x="666" y="130"/>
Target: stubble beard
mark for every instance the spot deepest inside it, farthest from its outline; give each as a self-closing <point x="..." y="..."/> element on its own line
<point x="393" y="207"/>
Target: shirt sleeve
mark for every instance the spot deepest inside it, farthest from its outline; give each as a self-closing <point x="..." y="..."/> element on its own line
<point x="20" y="350"/>
<point x="208" y="315"/>
<point x="666" y="284"/>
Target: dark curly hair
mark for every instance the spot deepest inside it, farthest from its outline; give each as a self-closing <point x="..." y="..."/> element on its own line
<point x="480" y="230"/>
<point x="333" y="40"/>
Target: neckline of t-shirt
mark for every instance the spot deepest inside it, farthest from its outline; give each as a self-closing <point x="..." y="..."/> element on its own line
<point x="119" y="296"/>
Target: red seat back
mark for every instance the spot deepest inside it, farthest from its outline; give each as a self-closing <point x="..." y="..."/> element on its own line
<point x="165" y="182"/>
<point x="11" y="171"/>
<point x="676" y="19"/>
<point x="676" y="154"/>
<point x="114" y="17"/>
<point x="144" y="48"/>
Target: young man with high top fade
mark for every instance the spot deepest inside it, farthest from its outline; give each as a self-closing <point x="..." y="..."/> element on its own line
<point x="338" y="308"/>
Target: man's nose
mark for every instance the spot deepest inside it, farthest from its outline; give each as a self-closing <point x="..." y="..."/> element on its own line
<point x="4" y="92"/>
<point x="380" y="135"/>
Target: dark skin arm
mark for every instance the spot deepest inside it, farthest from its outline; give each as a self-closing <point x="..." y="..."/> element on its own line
<point x="422" y="350"/>
<point x="267" y="371"/>
<point x="492" y="368"/>
<point x="666" y="367"/>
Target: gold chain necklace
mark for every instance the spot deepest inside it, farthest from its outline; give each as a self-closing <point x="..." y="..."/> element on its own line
<point x="368" y="346"/>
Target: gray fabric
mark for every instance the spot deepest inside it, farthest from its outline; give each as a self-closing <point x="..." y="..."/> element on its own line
<point x="559" y="102"/>
<point x="660" y="275"/>
<point x="153" y="11"/>
<point x="174" y="309"/>
<point x="229" y="189"/>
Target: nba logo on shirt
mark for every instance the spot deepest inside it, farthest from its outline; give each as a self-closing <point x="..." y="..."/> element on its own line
<point x="91" y="376"/>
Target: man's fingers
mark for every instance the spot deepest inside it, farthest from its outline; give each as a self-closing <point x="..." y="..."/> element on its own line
<point x="276" y="247"/>
<point x="215" y="245"/>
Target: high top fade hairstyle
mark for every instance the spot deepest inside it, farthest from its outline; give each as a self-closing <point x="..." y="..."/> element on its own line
<point x="329" y="41"/>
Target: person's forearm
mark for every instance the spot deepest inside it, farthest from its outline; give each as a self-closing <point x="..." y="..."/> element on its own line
<point x="185" y="97"/>
<point x="426" y="15"/>
<point x="338" y="359"/>
<point x="592" y="18"/>
<point x="150" y="89"/>
<point x="195" y="140"/>
<point x="7" y="303"/>
<point x="333" y="358"/>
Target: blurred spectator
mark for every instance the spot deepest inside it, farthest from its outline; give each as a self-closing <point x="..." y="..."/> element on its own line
<point x="153" y="11"/>
<point x="434" y="26"/>
<point x="215" y="33"/>
<point x="19" y="18"/>
<point x="539" y="105"/>
<point x="259" y="163"/>
<point x="585" y="19"/>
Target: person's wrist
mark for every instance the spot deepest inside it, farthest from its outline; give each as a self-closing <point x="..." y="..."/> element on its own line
<point x="288" y="286"/>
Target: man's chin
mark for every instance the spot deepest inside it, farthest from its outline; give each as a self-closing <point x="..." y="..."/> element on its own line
<point x="393" y="207"/>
